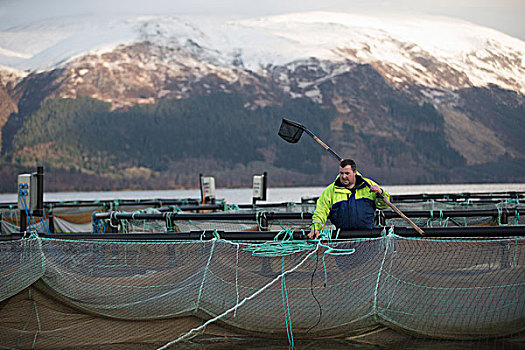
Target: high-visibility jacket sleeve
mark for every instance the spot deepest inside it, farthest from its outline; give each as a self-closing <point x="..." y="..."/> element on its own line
<point x="380" y="204"/>
<point x="322" y="208"/>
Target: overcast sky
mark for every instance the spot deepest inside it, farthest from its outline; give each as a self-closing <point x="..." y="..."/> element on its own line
<point x="507" y="16"/>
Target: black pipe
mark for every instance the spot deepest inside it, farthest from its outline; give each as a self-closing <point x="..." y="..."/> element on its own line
<point x="455" y="196"/>
<point x="199" y="216"/>
<point x="469" y="232"/>
<point x="11" y="236"/>
<point x="463" y="231"/>
<point x="181" y="236"/>
<point x="455" y="213"/>
<point x="297" y="216"/>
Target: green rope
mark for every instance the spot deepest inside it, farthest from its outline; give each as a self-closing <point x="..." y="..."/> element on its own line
<point x="326" y="234"/>
<point x="169" y="222"/>
<point x="229" y="207"/>
<point x="252" y="296"/>
<point x="333" y="251"/>
<point x="113" y="214"/>
<point x="443" y="222"/>
<point x="278" y="249"/>
<point x="114" y="205"/>
<point x="280" y="246"/>
<point x="429" y="220"/>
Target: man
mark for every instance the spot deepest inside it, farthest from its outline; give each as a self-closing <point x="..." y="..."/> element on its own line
<point x="349" y="202"/>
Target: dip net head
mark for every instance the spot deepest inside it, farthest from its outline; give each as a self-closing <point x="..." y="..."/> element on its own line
<point x="290" y="131"/>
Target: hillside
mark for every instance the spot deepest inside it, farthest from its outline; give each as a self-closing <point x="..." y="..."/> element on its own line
<point x="157" y="101"/>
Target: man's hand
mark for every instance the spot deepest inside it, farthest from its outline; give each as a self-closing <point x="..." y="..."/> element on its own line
<point x="376" y="189"/>
<point x="313" y="233"/>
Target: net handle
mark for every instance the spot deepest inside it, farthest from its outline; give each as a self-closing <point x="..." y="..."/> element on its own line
<point x="300" y="127"/>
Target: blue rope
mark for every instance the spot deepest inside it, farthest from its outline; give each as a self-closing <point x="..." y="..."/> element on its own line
<point x="34" y="225"/>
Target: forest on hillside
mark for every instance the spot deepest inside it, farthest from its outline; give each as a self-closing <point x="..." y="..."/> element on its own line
<point x="84" y="145"/>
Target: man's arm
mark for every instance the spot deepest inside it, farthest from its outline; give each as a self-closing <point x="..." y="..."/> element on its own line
<point x="380" y="203"/>
<point x="322" y="209"/>
<point x="374" y="187"/>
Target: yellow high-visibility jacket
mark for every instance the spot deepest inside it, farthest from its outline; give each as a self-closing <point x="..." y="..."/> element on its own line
<point x="348" y="209"/>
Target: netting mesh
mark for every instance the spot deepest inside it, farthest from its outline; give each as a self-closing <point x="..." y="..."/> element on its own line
<point x="450" y="289"/>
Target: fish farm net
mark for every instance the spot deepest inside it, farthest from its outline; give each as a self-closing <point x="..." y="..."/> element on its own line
<point x="60" y="293"/>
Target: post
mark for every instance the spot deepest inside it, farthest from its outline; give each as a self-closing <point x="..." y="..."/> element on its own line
<point x="504" y="218"/>
<point x="39" y="210"/>
<point x="113" y="225"/>
<point x="23" y="221"/>
<point x="262" y="221"/>
<point x="259" y="187"/>
<point x="51" y="222"/>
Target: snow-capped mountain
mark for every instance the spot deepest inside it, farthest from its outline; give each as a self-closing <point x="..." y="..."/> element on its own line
<point x="377" y="73"/>
<point x="428" y="51"/>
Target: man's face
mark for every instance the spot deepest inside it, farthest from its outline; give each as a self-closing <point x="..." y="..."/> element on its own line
<point x="347" y="176"/>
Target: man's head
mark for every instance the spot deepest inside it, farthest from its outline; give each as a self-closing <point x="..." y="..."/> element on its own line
<point x="346" y="162"/>
<point x="347" y="172"/>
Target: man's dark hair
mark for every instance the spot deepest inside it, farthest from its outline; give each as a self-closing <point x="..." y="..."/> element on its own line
<point x="346" y="162"/>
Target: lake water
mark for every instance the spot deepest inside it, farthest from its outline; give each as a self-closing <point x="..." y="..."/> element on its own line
<point x="274" y="195"/>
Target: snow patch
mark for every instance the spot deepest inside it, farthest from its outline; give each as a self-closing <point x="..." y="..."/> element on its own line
<point x="402" y="44"/>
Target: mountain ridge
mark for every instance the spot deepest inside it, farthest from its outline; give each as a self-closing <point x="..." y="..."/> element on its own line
<point x="386" y="92"/>
<point x="287" y="38"/>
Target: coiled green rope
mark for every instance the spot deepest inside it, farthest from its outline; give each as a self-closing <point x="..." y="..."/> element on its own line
<point x="282" y="245"/>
